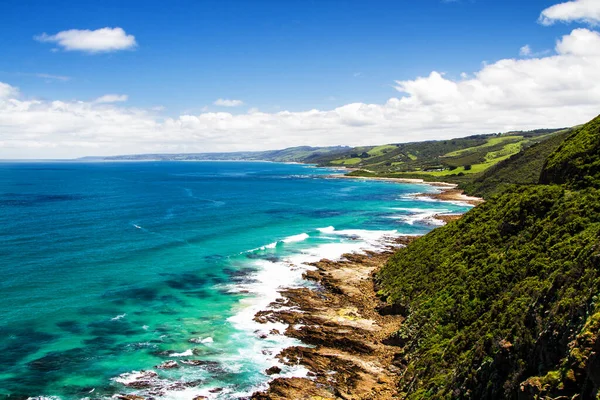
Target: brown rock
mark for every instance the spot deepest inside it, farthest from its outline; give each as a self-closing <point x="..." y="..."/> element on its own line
<point x="169" y="364"/>
<point x="273" y="370"/>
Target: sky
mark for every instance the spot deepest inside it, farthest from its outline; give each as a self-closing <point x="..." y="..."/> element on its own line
<point x="92" y="78"/>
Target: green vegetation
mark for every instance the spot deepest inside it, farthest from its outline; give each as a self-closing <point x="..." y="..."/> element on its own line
<point x="523" y="168"/>
<point x="492" y="142"/>
<point x="504" y="303"/>
<point x="450" y="159"/>
<point x="576" y="163"/>
<point x="347" y="161"/>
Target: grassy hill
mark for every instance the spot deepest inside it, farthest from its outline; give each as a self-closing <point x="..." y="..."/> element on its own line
<point x="456" y="160"/>
<point x="504" y="303"/>
<point x="432" y="160"/>
<point x="523" y="168"/>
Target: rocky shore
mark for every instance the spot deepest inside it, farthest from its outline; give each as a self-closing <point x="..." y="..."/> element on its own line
<point x="346" y="328"/>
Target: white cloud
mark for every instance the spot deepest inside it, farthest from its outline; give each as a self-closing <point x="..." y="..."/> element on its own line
<point x="581" y="42"/>
<point x="111" y="98"/>
<point x="557" y="90"/>
<point x="100" y="40"/>
<point x="525" y="50"/>
<point x="228" y="103"/>
<point x="7" y="91"/>
<point x="587" y="11"/>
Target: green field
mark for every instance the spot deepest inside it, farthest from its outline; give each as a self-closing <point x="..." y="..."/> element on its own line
<point x="453" y="159"/>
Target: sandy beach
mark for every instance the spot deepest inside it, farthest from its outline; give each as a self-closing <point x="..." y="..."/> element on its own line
<point x="448" y="191"/>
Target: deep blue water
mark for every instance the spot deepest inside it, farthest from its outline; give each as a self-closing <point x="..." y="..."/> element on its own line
<point x="109" y="268"/>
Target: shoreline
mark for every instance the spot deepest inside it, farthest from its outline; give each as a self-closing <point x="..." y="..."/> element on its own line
<point x="345" y="327"/>
<point x="448" y="191"/>
<point x="345" y="330"/>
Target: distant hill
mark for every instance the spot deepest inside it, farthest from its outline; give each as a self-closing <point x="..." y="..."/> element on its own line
<point x="505" y="302"/>
<point x="303" y="154"/>
<point x="456" y="160"/>
<point x="438" y="159"/>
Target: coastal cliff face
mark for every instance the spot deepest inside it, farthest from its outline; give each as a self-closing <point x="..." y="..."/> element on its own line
<point x="504" y="302"/>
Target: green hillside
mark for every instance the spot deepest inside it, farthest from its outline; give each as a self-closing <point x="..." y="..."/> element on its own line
<point x="576" y="163"/>
<point x="448" y="159"/>
<point x="503" y="303"/>
<point x="523" y="168"/>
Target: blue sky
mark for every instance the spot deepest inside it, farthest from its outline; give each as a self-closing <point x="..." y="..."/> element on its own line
<point x="271" y="54"/>
<point x="113" y="77"/>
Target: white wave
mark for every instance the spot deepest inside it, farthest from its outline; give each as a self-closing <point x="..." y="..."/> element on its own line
<point x="264" y="341"/>
<point x="186" y="353"/>
<point x="422" y="217"/>
<point x="128" y="378"/>
<point x="118" y="317"/>
<point x="328" y="229"/>
<point x="420" y="210"/>
<point x="206" y="340"/>
<point x="296" y="238"/>
<point x="420" y="197"/>
<point x="290" y="239"/>
<point x="258" y="344"/>
<point x="44" y="398"/>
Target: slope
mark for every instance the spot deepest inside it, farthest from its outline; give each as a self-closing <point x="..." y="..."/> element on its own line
<point x="504" y="302"/>
<point x="523" y="168"/>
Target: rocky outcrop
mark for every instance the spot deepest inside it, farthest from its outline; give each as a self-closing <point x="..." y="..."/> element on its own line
<point x="349" y="357"/>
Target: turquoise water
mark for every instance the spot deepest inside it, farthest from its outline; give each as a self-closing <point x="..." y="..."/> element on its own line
<point x="109" y="268"/>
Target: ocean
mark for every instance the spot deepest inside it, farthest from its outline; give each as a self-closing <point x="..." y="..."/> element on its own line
<point x="109" y="269"/>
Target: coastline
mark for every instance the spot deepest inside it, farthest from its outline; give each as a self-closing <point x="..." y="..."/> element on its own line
<point x="345" y="327"/>
<point x="447" y="191"/>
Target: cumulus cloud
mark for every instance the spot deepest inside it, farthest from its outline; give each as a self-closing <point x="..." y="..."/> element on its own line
<point x="587" y="11"/>
<point x="557" y="90"/>
<point x="100" y="40"/>
<point x="111" y="98"/>
<point x="7" y="91"/>
<point x="228" y="103"/>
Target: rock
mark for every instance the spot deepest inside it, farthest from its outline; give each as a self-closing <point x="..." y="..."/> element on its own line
<point x="273" y="370"/>
<point x="127" y="397"/>
<point x="137" y="379"/>
<point x="200" y="398"/>
<point x="169" y="364"/>
<point x="200" y="363"/>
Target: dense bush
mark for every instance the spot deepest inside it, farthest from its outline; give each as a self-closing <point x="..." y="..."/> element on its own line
<point x="502" y="303"/>
<point x="524" y="168"/>
<point x="576" y="162"/>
